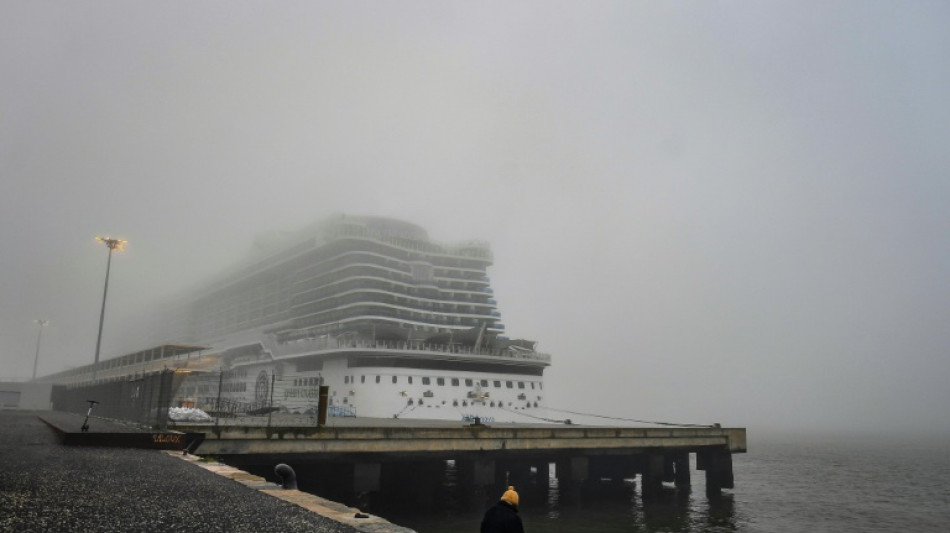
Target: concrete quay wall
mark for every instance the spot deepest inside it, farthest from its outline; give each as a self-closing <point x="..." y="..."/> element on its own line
<point x="453" y="440"/>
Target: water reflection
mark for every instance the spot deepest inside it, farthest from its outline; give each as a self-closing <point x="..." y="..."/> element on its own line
<point x="551" y="506"/>
<point x="720" y="513"/>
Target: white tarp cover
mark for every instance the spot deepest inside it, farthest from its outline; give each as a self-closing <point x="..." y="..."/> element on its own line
<point x="188" y="414"/>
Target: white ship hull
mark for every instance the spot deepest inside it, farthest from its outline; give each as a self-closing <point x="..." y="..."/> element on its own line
<point x="388" y="380"/>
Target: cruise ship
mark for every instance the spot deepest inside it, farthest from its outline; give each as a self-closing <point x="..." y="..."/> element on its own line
<point x="395" y="323"/>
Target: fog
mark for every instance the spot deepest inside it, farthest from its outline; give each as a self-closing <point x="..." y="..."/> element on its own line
<point x="729" y="212"/>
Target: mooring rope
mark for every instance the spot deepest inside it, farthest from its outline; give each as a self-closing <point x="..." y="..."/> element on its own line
<point x="404" y="410"/>
<point x="554" y="420"/>
<point x="633" y="419"/>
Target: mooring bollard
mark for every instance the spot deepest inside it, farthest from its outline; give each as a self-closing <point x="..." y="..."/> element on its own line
<point x="288" y="479"/>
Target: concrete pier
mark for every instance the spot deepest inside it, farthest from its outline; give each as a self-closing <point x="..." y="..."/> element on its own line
<point x="361" y="455"/>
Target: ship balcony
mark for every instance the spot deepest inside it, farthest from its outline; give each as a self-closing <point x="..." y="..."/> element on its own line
<point x="370" y="308"/>
<point x="328" y="344"/>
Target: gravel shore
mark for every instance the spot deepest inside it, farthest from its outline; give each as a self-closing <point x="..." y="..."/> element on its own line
<point x="48" y="487"/>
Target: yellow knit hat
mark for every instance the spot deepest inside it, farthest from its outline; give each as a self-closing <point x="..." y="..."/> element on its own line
<point x="510" y="496"/>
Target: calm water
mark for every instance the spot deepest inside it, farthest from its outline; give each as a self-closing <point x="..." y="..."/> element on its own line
<point x="805" y="484"/>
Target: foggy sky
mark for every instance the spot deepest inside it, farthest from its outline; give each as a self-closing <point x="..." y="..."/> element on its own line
<point x="729" y="212"/>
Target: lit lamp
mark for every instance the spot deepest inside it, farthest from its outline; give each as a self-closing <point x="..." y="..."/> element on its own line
<point x="112" y="244"/>
<point x="42" y="323"/>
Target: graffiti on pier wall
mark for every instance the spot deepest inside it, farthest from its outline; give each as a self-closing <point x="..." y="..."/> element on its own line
<point x="301" y="392"/>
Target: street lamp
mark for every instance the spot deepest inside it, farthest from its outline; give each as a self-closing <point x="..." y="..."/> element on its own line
<point x="42" y="323"/>
<point x="112" y="244"/>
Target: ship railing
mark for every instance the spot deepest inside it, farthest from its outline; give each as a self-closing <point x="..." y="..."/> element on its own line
<point x="322" y="344"/>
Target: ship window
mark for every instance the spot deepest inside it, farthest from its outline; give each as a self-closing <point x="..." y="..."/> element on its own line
<point x="410" y="380"/>
<point x="509" y="384"/>
<point x="394" y="379"/>
<point x="468" y="383"/>
<point x="532" y="385"/>
<point x="521" y="384"/>
<point x="363" y="379"/>
<point x="497" y="384"/>
<point x="425" y="381"/>
<point x="346" y="380"/>
<point x="440" y="381"/>
<point x="377" y="379"/>
<point x="455" y="382"/>
<point x="484" y="383"/>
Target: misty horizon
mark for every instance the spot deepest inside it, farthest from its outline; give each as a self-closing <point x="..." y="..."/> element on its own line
<point x="705" y="212"/>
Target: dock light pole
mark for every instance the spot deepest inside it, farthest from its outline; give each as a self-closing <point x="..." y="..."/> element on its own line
<point x="112" y="244"/>
<point x="42" y="323"/>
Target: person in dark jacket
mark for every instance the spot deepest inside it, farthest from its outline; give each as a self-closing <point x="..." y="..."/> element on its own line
<point x="503" y="516"/>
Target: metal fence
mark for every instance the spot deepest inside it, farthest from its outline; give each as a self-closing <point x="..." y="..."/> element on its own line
<point x="142" y="400"/>
<point x="236" y="398"/>
<point x="166" y="398"/>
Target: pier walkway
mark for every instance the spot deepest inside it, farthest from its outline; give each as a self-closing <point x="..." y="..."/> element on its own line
<point x="47" y="486"/>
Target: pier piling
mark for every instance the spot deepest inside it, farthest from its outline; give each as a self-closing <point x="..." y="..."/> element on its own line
<point x="651" y="476"/>
<point x="681" y="470"/>
<point x="718" y="467"/>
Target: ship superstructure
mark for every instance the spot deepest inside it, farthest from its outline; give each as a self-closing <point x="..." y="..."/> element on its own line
<point x="393" y="322"/>
<point x="363" y="275"/>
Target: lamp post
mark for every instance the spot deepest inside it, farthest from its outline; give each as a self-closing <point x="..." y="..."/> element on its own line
<point x="112" y="244"/>
<point x="42" y="323"/>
